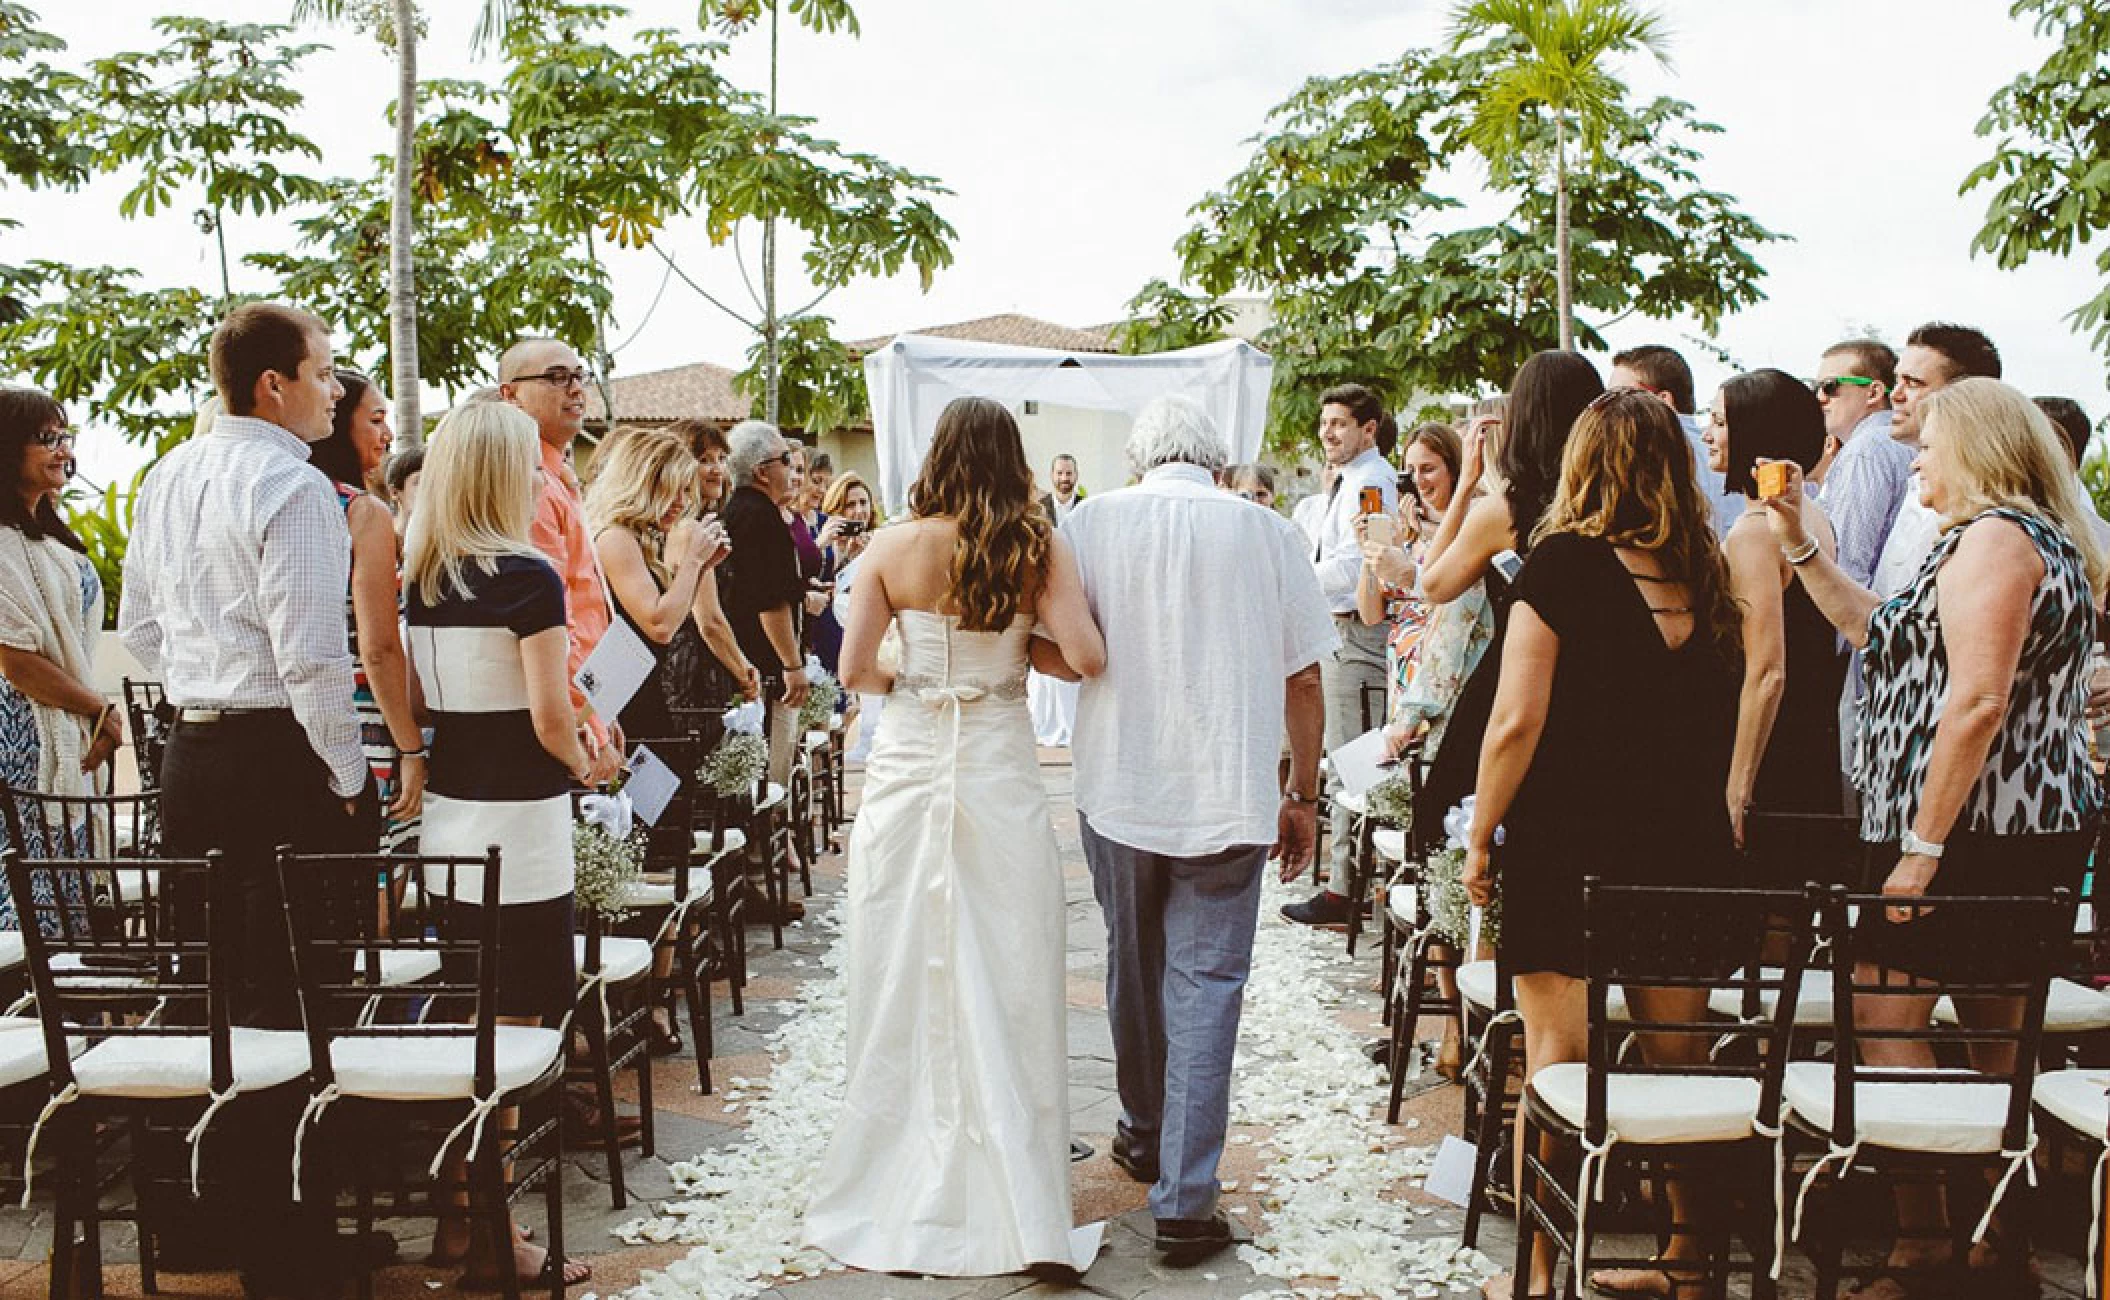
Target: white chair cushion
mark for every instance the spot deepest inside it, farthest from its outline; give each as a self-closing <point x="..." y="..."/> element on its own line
<point x="816" y="740"/>
<point x="72" y="973"/>
<point x="2079" y="1099"/>
<point x="1813" y="1005"/>
<point x="735" y="840"/>
<point x="645" y="894"/>
<point x="181" y="1066"/>
<point x="622" y="960"/>
<point x="771" y="797"/>
<point x="439" y="1068"/>
<point x="1948" y="1118"/>
<point x="12" y="953"/>
<point x="2069" y="1008"/>
<point x="1390" y="844"/>
<point x="401" y="966"/>
<point x="1476" y="984"/>
<point x="835" y="723"/>
<point x="1655" y="1108"/>
<point x="1352" y="802"/>
<point x="22" y="1055"/>
<point x="1400" y="901"/>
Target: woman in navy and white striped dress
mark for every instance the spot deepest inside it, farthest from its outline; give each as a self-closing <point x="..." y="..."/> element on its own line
<point x="487" y="638"/>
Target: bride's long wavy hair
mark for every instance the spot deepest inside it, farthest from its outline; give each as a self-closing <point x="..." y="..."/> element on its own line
<point x="976" y="475"/>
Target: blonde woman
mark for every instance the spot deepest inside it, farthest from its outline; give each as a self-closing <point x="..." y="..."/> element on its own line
<point x="487" y="640"/>
<point x="653" y="550"/>
<point x="1987" y="652"/>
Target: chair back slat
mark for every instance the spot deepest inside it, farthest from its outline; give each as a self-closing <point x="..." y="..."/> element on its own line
<point x="2017" y="945"/>
<point x="1646" y="937"/>
<point x="349" y="912"/>
<point x="147" y="717"/>
<point x="93" y="981"/>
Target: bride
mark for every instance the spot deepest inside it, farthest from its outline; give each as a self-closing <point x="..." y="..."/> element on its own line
<point x="951" y="1156"/>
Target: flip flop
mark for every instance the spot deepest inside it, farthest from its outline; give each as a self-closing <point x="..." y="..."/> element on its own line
<point x="575" y="1272"/>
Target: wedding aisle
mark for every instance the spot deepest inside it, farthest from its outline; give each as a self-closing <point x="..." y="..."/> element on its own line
<point x="1330" y="1192"/>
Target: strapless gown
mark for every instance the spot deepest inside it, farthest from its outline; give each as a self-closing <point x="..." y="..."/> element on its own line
<point x="951" y="1154"/>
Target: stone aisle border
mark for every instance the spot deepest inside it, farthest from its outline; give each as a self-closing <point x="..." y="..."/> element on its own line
<point x="1335" y="1221"/>
<point x="741" y="1204"/>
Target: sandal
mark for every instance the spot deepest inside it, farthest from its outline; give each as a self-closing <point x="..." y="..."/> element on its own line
<point x="663" y="1039"/>
<point x="1649" y="1282"/>
<point x="575" y="1272"/>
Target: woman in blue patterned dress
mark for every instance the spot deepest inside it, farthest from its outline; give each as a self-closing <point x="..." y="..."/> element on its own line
<point x="56" y="730"/>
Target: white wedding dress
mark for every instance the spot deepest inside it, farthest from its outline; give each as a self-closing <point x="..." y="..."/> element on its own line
<point x="951" y="1155"/>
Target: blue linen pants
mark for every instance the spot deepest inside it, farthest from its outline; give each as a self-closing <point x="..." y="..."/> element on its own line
<point x="1179" y="941"/>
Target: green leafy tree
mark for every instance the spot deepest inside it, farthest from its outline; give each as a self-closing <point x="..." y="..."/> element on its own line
<point x="861" y="215"/>
<point x="1373" y="275"/>
<point x="205" y="116"/>
<point x="1550" y="57"/>
<point x="1166" y="318"/>
<point x="821" y="383"/>
<point x="396" y="25"/>
<point x="2050" y="170"/>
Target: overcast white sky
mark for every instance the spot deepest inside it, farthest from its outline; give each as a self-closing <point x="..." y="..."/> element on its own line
<point x="1075" y="137"/>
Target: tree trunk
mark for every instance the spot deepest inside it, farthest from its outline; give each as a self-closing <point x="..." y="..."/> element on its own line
<point x="1562" y="269"/>
<point x="402" y="233"/>
<point x="770" y="369"/>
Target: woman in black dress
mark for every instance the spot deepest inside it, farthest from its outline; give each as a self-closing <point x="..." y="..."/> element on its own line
<point x="1786" y="757"/>
<point x="1608" y="746"/>
<point x="1487" y="540"/>
<point x="654" y="552"/>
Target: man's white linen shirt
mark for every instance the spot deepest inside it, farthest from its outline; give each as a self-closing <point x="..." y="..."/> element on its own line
<point x="1863" y="492"/>
<point x="235" y="585"/>
<point x="1339" y="557"/>
<point x="1207" y="603"/>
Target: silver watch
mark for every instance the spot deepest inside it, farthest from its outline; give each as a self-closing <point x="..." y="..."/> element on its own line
<point x="1912" y="846"/>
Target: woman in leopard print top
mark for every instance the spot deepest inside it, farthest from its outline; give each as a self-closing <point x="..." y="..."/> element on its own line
<point x="1973" y="754"/>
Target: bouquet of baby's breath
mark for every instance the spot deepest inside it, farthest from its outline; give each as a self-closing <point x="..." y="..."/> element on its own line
<point x="733" y="768"/>
<point x="1391" y="801"/>
<point x="605" y="869"/>
<point x="1450" y="909"/>
<point x="822" y="691"/>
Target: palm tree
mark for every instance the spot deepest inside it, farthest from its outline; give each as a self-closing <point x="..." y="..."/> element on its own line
<point x="396" y="25"/>
<point x="1552" y="54"/>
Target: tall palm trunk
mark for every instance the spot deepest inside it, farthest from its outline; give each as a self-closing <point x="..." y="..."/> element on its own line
<point x="402" y="228"/>
<point x="1562" y="270"/>
<point x="770" y="330"/>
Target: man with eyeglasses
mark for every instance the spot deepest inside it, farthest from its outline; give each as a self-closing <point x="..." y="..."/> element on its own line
<point x="546" y="379"/>
<point x="1865" y="483"/>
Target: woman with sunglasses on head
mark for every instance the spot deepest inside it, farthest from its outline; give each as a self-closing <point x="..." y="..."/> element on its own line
<point x="388" y="730"/>
<point x="56" y="729"/>
<point x="1625" y="598"/>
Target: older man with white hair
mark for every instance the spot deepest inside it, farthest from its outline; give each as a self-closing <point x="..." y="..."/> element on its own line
<point x="1214" y="627"/>
<point x="761" y="587"/>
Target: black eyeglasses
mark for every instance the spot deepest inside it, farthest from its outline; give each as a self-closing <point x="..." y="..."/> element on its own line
<point x="784" y="459"/>
<point x="1830" y="387"/>
<point x="557" y="376"/>
<point x="55" y="438"/>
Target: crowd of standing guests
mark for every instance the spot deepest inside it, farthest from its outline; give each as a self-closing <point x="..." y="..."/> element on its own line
<point x="1623" y="631"/>
<point x="362" y="651"/>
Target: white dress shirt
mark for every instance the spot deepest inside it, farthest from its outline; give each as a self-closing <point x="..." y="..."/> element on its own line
<point x="1207" y="602"/>
<point x="235" y="582"/>
<point x="1912" y="535"/>
<point x="1337" y="556"/>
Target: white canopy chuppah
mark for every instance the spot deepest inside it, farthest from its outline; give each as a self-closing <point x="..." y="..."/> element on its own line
<point x="913" y="377"/>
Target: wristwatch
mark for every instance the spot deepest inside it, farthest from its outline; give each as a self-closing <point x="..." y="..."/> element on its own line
<point x="1912" y="846"/>
<point x="1294" y="797"/>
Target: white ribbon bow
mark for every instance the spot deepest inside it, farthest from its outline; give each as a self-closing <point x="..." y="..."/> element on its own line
<point x="745" y="719"/>
<point x="610" y="812"/>
<point x="1458" y="825"/>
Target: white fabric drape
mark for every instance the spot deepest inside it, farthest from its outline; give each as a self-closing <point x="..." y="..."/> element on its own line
<point x="914" y="376"/>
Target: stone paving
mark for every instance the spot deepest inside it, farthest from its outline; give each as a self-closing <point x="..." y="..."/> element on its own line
<point x="687" y="1122"/>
